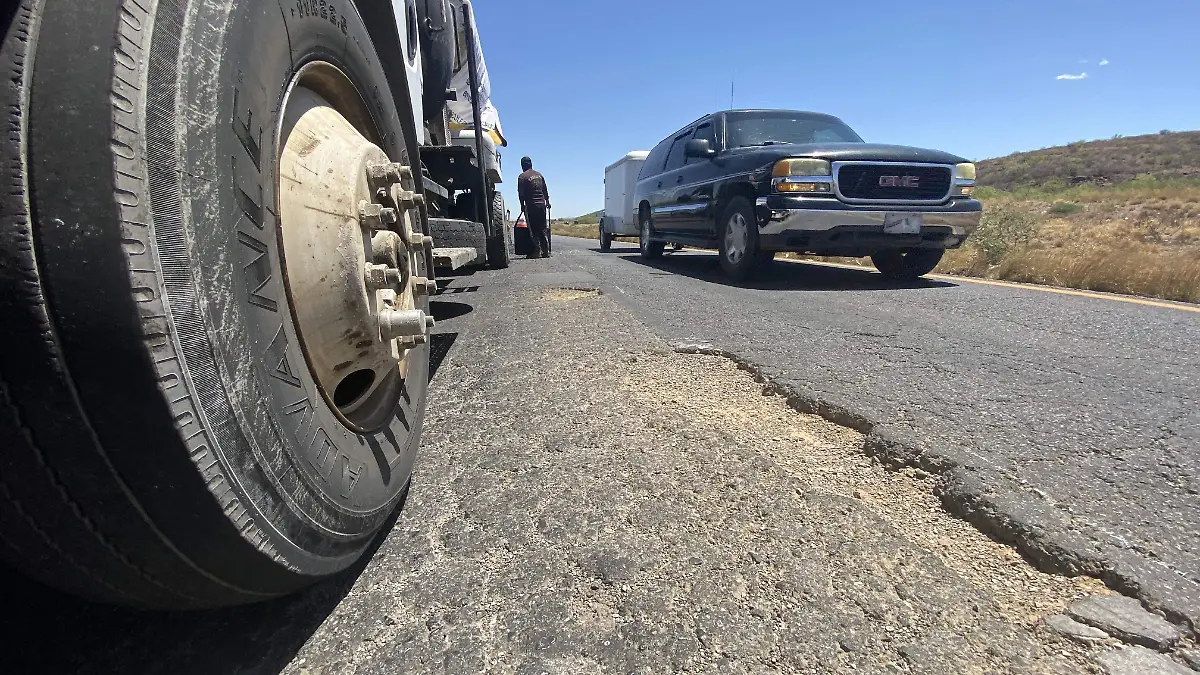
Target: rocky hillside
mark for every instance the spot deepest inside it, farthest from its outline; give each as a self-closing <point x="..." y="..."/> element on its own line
<point x="1166" y="154"/>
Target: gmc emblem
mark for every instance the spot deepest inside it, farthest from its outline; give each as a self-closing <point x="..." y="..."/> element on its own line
<point x="900" y="181"/>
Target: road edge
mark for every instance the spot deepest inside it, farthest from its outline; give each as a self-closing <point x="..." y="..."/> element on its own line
<point x="1033" y="529"/>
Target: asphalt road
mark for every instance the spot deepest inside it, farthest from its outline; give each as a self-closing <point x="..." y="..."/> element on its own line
<point x="1067" y="425"/>
<point x="589" y="499"/>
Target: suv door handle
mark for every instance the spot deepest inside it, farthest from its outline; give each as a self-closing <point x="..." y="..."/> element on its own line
<point x="660" y="183"/>
<point x="679" y="180"/>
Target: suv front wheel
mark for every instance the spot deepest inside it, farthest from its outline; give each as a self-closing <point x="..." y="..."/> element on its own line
<point x="650" y="248"/>
<point x="741" y="257"/>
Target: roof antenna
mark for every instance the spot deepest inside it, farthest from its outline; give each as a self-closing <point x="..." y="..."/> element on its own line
<point x="731" y="79"/>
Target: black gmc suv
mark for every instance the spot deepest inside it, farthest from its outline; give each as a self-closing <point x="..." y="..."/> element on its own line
<point x="750" y="183"/>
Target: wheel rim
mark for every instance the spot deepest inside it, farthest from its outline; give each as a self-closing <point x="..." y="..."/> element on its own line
<point x="737" y="236"/>
<point x="352" y="256"/>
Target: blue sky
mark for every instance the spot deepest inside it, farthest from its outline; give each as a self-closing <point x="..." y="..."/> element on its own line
<point x="579" y="83"/>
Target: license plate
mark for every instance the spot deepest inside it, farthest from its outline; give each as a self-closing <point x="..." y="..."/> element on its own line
<point x="902" y="223"/>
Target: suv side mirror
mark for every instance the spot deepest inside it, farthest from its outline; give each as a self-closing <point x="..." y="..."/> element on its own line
<point x="699" y="147"/>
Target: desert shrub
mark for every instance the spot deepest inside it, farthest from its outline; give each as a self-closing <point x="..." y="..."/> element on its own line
<point x="1065" y="208"/>
<point x="1001" y="231"/>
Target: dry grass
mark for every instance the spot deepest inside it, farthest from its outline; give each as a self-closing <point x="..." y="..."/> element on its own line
<point x="568" y="228"/>
<point x="1167" y="275"/>
<point x="1141" y="237"/>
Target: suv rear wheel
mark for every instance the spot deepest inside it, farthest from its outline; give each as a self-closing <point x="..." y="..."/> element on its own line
<point x="907" y="264"/>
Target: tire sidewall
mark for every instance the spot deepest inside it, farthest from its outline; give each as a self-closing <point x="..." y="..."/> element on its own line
<point x="745" y="267"/>
<point x="499" y="244"/>
<point x="319" y="489"/>
<point x="907" y="265"/>
<point x="648" y="247"/>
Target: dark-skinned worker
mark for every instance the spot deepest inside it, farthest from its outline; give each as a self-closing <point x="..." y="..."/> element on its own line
<point x="535" y="201"/>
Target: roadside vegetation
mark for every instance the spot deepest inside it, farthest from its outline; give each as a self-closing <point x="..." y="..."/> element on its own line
<point x="1118" y="216"/>
<point x="1139" y="237"/>
<point x="571" y="227"/>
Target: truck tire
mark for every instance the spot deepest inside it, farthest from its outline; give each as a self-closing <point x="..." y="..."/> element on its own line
<point x="650" y="249"/>
<point x="166" y="442"/>
<point x="907" y="265"/>
<point x="605" y="240"/>
<point x="500" y="243"/>
<point x="741" y="256"/>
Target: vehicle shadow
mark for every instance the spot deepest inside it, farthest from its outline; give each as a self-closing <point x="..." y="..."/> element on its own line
<point x="440" y="345"/>
<point x="50" y="633"/>
<point x="783" y="276"/>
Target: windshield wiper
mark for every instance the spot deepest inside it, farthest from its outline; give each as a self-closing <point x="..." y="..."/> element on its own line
<point x="755" y="145"/>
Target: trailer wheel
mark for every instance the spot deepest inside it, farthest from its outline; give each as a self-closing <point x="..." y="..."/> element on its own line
<point x="189" y="417"/>
<point x="605" y="240"/>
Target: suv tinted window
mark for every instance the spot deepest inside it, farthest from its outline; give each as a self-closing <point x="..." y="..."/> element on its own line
<point x="655" y="160"/>
<point x="780" y="126"/>
<point x="675" y="159"/>
<point x="704" y="132"/>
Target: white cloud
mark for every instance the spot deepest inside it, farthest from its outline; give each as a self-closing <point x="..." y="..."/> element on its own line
<point x="1104" y="62"/>
<point x="1068" y="76"/>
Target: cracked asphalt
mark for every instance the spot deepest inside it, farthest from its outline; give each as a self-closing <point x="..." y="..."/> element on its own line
<point x="1067" y="425"/>
<point x="588" y="499"/>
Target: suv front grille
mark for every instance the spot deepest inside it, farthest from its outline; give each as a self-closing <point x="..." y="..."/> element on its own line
<point x="894" y="182"/>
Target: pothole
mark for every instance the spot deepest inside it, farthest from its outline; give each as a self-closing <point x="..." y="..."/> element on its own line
<point x="569" y="294"/>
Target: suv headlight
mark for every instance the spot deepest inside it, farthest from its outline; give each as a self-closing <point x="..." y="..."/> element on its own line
<point x="803" y="175"/>
<point x="802" y="167"/>
<point x="964" y="179"/>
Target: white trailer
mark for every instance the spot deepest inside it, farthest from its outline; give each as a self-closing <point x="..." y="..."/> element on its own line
<point x="620" y="177"/>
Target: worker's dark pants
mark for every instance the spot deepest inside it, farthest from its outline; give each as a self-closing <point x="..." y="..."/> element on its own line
<point x="539" y="231"/>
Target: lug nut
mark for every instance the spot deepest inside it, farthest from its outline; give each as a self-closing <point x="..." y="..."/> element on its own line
<point x="409" y="200"/>
<point x="368" y="212"/>
<point x="424" y="286"/>
<point x="375" y="216"/>
<point x="379" y="277"/>
<point x="388" y="173"/>
<point x="416" y="239"/>
<point x="408" y="323"/>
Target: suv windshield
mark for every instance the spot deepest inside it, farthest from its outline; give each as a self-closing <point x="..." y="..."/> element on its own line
<point x="768" y="128"/>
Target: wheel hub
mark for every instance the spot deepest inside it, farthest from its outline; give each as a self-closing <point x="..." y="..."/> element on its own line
<point x="353" y="261"/>
<point x="736" y="237"/>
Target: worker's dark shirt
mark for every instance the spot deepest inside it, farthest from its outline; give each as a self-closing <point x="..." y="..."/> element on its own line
<point x="531" y="188"/>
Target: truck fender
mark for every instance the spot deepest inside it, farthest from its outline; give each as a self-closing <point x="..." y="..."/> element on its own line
<point x="388" y="24"/>
<point x="436" y="30"/>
